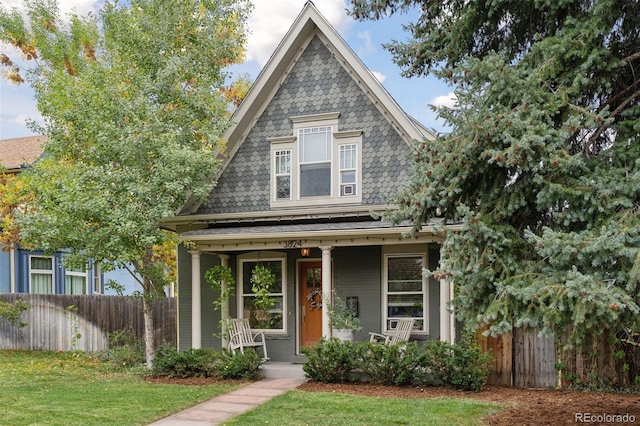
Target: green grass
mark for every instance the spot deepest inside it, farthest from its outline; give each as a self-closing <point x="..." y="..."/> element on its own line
<point x="319" y="408"/>
<point x="74" y="389"/>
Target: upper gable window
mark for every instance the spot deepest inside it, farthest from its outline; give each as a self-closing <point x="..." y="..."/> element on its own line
<point x="317" y="165"/>
<point x="315" y="161"/>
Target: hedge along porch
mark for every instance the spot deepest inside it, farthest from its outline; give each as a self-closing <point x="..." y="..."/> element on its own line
<point x="316" y="147"/>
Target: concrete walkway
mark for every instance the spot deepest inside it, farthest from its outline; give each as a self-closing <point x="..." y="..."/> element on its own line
<point x="224" y="407"/>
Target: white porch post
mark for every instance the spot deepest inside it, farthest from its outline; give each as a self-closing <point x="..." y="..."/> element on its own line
<point x="452" y="316"/>
<point x="445" y="320"/>
<point x="224" y="309"/>
<point x="196" y="314"/>
<point x="326" y="288"/>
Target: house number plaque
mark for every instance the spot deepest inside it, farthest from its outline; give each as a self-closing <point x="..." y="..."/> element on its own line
<point x="292" y="244"/>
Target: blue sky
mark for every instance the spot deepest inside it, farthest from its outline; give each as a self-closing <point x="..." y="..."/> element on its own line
<point x="269" y="22"/>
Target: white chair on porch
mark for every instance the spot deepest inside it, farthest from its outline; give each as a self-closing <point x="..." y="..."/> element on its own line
<point x="241" y="337"/>
<point x="400" y="334"/>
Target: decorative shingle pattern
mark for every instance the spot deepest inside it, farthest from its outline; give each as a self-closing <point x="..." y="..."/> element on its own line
<point x="316" y="84"/>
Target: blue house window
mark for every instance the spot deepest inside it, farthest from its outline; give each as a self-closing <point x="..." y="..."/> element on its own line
<point x="41" y="275"/>
<point x="75" y="280"/>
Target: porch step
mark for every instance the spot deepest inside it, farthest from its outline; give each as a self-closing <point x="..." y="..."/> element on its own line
<point x="281" y="370"/>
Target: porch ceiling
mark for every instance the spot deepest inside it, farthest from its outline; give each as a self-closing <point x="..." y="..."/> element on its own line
<point x="335" y="234"/>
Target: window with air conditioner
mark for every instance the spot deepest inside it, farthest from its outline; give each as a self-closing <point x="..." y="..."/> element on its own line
<point x="317" y="165"/>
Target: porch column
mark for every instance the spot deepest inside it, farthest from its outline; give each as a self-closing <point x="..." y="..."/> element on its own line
<point x="445" y="320"/>
<point x="452" y="315"/>
<point x="327" y="296"/>
<point x="196" y="314"/>
<point x="224" y="309"/>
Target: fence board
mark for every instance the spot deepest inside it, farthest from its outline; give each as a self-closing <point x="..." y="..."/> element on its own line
<point x="501" y="348"/>
<point x="52" y="325"/>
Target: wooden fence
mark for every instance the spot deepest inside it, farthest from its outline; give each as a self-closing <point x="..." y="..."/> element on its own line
<point x="82" y="322"/>
<point x="525" y="359"/>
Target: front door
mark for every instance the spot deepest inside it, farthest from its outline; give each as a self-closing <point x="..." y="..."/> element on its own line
<point x="310" y="303"/>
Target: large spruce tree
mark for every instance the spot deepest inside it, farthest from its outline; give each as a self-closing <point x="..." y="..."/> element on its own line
<point x="542" y="165"/>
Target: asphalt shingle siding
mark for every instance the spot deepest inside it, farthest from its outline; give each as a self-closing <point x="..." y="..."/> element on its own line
<point x="317" y="84"/>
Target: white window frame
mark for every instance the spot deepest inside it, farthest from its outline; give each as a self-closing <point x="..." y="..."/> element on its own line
<point x="292" y="143"/>
<point x="385" y="290"/>
<point x="50" y="272"/>
<point x="71" y="273"/>
<point x="97" y="279"/>
<point x="263" y="257"/>
<point x="277" y="172"/>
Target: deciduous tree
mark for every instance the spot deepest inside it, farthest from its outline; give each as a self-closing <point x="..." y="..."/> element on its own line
<point x="133" y="112"/>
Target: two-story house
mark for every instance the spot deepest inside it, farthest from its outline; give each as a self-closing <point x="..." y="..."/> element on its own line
<point x="315" y="148"/>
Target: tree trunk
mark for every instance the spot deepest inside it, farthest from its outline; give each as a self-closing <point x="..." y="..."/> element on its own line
<point x="149" y="330"/>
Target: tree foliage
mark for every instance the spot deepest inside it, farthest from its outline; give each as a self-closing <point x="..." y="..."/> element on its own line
<point x="134" y="107"/>
<point x="542" y="166"/>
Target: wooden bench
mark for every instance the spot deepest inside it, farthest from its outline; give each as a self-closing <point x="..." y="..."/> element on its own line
<point x="400" y="334"/>
<point x="241" y="337"/>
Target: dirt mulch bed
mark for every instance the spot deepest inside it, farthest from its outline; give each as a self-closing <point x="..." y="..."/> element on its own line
<point x="523" y="406"/>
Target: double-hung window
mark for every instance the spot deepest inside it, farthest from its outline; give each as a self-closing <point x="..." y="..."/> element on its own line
<point x="348" y="169"/>
<point x="317" y="165"/>
<point x="283" y="173"/>
<point x="75" y="280"/>
<point x="41" y="275"/>
<point x="271" y="318"/>
<point x="315" y="161"/>
<point x="405" y="290"/>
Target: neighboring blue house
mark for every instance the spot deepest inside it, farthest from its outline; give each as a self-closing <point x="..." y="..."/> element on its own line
<point x="316" y="146"/>
<point x="24" y="271"/>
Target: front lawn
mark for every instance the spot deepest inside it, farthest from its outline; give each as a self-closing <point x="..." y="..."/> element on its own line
<point x="64" y="388"/>
<point x="321" y="408"/>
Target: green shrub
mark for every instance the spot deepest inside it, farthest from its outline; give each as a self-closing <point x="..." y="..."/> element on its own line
<point x="330" y="361"/>
<point x="205" y="362"/>
<point x="388" y="365"/>
<point x="190" y="363"/>
<point x="469" y="366"/>
<point x="435" y="363"/>
<point x="461" y="365"/>
<point x="239" y="366"/>
<point x="126" y="349"/>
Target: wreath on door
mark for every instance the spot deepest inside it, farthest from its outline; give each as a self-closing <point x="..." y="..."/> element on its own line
<point x="314" y="302"/>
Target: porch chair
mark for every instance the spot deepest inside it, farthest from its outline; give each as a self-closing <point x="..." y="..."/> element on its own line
<point x="241" y="337"/>
<point x="399" y="334"/>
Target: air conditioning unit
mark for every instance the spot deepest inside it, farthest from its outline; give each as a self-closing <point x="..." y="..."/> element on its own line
<point x="349" y="189"/>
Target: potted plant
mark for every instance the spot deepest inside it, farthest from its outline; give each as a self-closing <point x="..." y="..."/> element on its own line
<point x="342" y="320"/>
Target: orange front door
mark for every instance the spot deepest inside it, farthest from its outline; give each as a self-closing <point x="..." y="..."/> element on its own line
<point x="310" y="303"/>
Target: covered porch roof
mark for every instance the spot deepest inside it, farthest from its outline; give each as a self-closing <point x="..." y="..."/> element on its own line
<point x="297" y="235"/>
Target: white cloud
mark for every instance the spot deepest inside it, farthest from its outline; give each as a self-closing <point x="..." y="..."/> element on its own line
<point x="379" y="76"/>
<point x="448" y="100"/>
<point x="270" y="20"/>
<point x="368" y="47"/>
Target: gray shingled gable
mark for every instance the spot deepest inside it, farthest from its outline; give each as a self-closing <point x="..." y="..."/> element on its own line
<point x="316" y="84"/>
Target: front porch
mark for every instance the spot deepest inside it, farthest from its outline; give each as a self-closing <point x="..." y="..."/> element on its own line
<point x="368" y="263"/>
